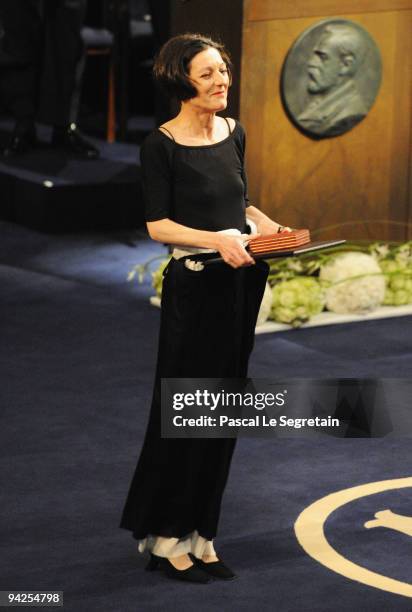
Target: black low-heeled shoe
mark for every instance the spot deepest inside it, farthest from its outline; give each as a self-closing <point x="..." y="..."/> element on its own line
<point x="191" y="574"/>
<point x="217" y="569"/>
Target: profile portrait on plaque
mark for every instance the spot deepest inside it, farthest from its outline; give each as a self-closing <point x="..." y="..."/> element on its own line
<point x="331" y="77"/>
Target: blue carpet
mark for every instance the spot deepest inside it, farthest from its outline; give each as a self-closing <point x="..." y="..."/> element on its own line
<point x="77" y="359"/>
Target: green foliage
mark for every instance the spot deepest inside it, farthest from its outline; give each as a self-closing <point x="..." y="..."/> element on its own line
<point x="297" y="290"/>
<point x="140" y="270"/>
<point x="157" y="277"/>
<point x="395" y="261"/>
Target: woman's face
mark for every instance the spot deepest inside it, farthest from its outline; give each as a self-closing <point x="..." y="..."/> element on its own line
<point x="210" y="77"/>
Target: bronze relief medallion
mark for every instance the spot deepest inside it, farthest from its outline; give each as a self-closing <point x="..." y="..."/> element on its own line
<point x="331" y="77"/>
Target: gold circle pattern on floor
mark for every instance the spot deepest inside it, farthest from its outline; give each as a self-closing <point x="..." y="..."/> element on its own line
<point x="310" y="532"/>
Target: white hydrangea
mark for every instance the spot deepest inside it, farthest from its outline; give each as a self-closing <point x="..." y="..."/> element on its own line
<point x="265" y="306"/>
<point x="346" y="294"/>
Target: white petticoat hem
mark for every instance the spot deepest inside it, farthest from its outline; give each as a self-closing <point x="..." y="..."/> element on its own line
<point x="174" y="547"/>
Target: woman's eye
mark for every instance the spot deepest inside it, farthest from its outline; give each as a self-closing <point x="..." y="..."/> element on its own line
<point x="224" y="71"/>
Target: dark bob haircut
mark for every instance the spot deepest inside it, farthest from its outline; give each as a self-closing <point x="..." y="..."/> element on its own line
<point x="172" y="64"/>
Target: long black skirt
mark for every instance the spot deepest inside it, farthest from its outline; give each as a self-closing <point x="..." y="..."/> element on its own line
<point x="207" y="331"/>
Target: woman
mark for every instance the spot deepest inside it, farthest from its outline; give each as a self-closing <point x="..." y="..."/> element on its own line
<point x="194" y="188"/>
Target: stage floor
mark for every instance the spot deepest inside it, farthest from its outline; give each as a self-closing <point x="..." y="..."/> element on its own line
<point x="77" y="359"/>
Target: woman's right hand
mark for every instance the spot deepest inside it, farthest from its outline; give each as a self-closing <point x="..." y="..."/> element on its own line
<point x="232" y="249"/>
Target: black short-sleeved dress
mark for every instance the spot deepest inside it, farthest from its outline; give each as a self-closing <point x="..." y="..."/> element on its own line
<point x="206" y="331"/>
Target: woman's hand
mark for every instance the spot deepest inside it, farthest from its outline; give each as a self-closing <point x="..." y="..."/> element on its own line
<point x="232" y="249"/>
<point x="264" y="224"/>
<point x="267" y="226"/>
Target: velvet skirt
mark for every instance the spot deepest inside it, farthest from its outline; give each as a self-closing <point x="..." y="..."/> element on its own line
<point x="207" y="329"/>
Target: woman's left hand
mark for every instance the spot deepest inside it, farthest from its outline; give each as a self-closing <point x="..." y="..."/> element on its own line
<point x="266" y="227"/>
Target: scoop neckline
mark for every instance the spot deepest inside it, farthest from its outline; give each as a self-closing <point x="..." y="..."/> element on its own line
<point x="208" y="146"/>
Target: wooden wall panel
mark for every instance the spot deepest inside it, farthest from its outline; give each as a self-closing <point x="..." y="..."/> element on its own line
<point x="401" y="145"/>
<point x="263" y="10"/>
<point x="360" y="176"/>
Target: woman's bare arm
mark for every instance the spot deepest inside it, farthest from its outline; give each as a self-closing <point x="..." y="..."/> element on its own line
<point x="264" y="224"/>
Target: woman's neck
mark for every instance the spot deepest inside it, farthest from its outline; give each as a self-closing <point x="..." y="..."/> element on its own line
<point x="196" y="124"/>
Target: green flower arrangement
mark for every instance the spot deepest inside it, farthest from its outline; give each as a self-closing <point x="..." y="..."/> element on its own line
<point x="350" y="281"/>
<point x="353" y="277"/>
<point x="140" y="270"/>
<point x="295" y="300"/>
<point x="157" y="277"/>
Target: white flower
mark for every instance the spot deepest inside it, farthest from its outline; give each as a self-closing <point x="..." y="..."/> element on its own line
<point x="265" y="306"/>
<point x="354" y="283"/>
<point x="380" y="251"/>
